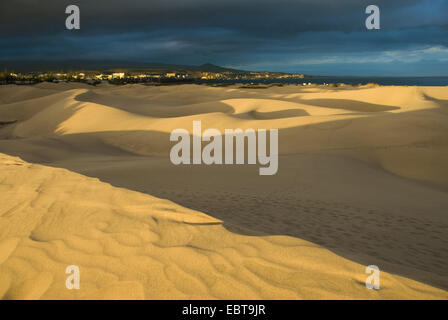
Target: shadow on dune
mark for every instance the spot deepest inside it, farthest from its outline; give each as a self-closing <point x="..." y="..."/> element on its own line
<point x="281" y="114"/>
<point x="351" y="105"/>
<point x="284" y="204"/>
<point x="142" y="107"/>
<point x="443" y="104"/>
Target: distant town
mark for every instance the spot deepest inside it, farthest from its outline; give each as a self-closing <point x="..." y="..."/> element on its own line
<point x="150" y="76"/>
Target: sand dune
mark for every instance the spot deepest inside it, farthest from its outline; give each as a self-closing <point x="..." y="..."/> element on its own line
<point x="131" y="245"/>
<point x="362" y="172"/>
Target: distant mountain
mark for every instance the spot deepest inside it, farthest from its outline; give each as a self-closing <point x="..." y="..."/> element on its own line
<point x="104" y="65"/>
<point x="208" y="67"/>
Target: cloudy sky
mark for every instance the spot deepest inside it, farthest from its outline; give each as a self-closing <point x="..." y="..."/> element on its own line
<point x="321" y="37"/>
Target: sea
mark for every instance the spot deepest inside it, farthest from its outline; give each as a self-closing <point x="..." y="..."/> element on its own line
<point x="385" y="81"/>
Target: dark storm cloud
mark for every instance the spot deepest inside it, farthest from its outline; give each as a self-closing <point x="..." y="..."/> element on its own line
<point x="253" y="33"/>
<point x="273" y="17"/>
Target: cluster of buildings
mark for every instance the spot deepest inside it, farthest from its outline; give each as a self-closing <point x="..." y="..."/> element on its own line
<point x="229" y="75"/>
<point x="141" y="76"/>
<point x="135" y="77"/>
<point x="18" y="78"/>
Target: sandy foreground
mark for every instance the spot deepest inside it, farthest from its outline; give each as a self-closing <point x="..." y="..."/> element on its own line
<point x="86" y="180"/>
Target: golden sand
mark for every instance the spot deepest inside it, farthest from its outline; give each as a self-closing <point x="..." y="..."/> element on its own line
<point x="86" y="180"/>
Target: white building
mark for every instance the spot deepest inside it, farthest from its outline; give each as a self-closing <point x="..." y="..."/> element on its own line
<point x="118" y="75"/>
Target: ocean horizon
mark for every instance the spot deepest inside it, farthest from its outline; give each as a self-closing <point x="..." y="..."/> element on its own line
<point x="350" y="80"/>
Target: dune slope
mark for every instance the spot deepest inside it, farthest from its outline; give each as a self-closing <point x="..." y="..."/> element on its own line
<point x="362" y="172"/>
<point x="132" y="245"/>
